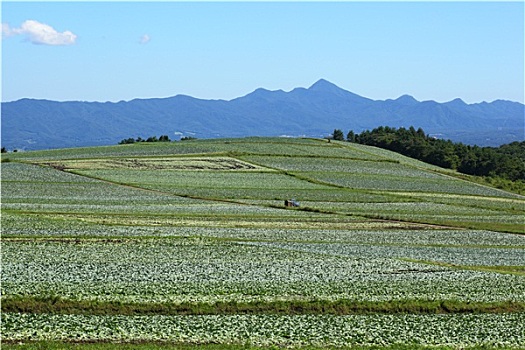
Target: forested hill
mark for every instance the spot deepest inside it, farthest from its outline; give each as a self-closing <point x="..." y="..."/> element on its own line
<point x="506" y="161"/>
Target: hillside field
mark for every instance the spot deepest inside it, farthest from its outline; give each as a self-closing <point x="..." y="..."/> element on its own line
<point x="189" y="244"/>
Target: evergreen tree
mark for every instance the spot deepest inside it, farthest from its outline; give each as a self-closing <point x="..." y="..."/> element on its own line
<point x="127" y="141"/>
<point x="338" y="135"/>
<point x="350" y="137"/>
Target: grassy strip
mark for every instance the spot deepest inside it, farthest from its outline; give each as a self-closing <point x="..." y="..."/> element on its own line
<point x="115" y="239"/>
<point x="491" y="226"/>
<point x="501" y="183"/>
<point x="41" y="345"/>
<point x="515" y="228"/>
<point x="512" y="270"/>
<point x="57" y="305"/>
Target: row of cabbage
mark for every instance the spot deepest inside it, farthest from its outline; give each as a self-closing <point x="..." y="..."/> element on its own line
<point x="40" y="226"/>
<point x="355" y="232"/>
<point x="72" y="197"/>
<point x="384" y="154"/>
<point x="26" y="183"/>
<point x="376" y="178"/>
<point x="161" y="163"/>
<point x="258" y="219"/>
<point x="415" y="207"/>
<point x="261" y="146"/>
<point x="388" y="182"/>
<point x="22" y="172"/>
<point x="72" y="193"/>
<point x="204" y="179"/>
<point x="76" y="198"/>
<point x="347" y="165"/>
<point x="384" y="237"/>
<point x="504" y="204"/>
<point x="183" y="207"/>
<point x="430" y="212"/>
<point x="201" y="270"/>
<point x="87" y="225"/>
<point x="460" y="330"/>
<point x="93" y="193"/>
<point x="462" y="256"/>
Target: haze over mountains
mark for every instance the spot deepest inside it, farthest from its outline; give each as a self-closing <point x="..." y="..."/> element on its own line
<point x="316" y="111"/>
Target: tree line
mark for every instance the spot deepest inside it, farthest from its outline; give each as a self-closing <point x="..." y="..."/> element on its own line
<point x="506" y="161"/>
<point x="162" y="138"/>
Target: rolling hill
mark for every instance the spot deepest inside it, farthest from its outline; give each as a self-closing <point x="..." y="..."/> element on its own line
<point x="315" y="111"/>
<point x="190" y="244"/>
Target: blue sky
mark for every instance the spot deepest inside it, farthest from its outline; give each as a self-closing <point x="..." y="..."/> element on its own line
<point x="111" y="51"/>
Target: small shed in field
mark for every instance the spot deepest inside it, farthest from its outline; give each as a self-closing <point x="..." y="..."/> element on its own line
<point x="291" y="203"/>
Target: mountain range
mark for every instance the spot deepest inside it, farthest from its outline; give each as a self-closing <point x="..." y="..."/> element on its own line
<point x="314" y="112"/>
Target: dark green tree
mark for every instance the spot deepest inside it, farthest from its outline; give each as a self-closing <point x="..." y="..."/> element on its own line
<point x="338" y="135"/>
<point x="127" y="141"/>
<point x="350" y="137"/>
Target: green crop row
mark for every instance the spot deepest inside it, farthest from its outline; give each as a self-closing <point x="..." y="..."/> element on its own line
<point x="203" y="270"/>
<point x="463" y="330"/>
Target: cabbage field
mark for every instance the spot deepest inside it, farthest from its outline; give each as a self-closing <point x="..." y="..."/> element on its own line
<point x="190" y="244"/>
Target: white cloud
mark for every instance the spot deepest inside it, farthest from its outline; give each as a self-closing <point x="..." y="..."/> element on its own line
<point x="7" y="31"/>
<point x="145" y="39"/>
<point x="40" y="33"/>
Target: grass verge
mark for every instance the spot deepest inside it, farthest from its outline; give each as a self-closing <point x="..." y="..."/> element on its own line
<point x="44" y="345"/>
<point x="58" y="305"/>
<point x="512" y="270"/>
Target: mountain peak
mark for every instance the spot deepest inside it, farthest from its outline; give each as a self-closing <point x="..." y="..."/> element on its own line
<point x="323" y="85"/>
<point x="406" y="99"/>
<point x="262" y="93"/>
<point x="456" y="104"/>
<point x="457" y="101"/>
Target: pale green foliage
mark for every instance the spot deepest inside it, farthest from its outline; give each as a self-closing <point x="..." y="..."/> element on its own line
<point x="203" y="270"/>
<point x="321" y="330"/>
<point x="204" y="221"/>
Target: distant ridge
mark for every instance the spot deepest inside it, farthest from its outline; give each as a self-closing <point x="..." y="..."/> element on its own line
<point x="314" y="111"/>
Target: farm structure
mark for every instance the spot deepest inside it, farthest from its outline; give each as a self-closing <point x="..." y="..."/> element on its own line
<point x="291" y="203"/>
